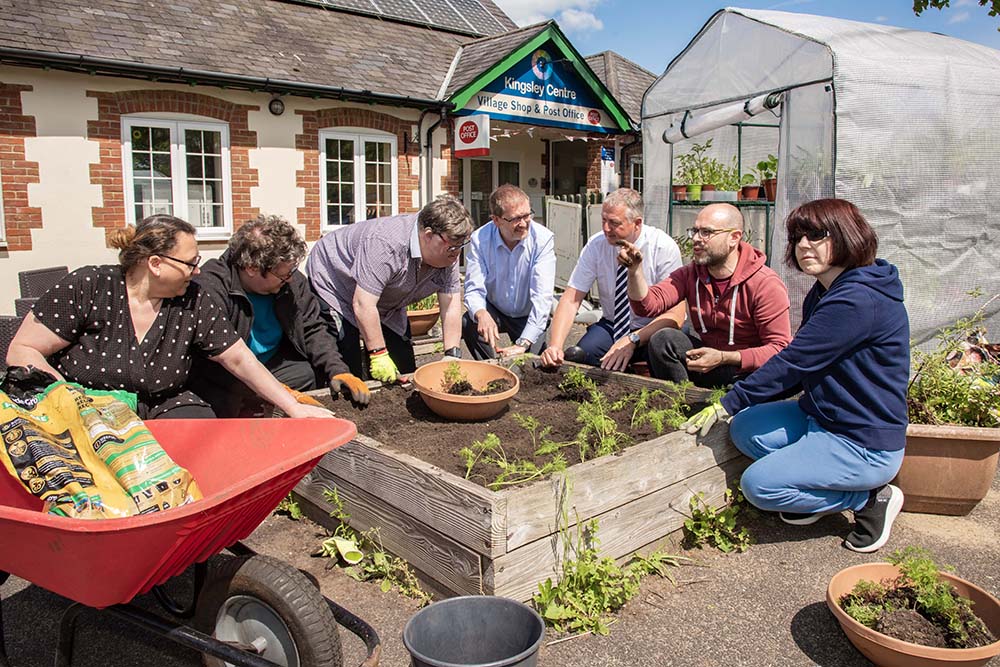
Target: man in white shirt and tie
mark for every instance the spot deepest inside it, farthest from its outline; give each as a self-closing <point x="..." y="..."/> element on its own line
<point x="619" y="337"/>
<point x="510" y="269"/>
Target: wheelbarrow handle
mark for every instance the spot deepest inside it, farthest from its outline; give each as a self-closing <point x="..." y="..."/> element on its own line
<point x="358" y="627"/>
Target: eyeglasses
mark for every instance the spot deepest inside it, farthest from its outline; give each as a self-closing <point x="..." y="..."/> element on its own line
<point x="705" y="233"/>
<point x="283" y="279"/>
<point x="455" y="248"/>
<point x="191" y="265"/>
<point x="812" y="235"/>
<point x="519" y="218"/>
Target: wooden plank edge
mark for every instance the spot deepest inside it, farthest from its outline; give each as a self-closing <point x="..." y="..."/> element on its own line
<point x="436" y="555"/>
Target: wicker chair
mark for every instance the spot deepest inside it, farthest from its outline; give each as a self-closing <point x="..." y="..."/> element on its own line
<point x="23" y="306"/>
<point x="8" y="327"/>
<point x="37" y="282"/>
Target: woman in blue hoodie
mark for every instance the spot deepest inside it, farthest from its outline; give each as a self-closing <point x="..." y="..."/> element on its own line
<point x="837" y="447"/>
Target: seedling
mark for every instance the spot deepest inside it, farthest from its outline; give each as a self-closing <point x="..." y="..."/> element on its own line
<point x="512" y="471"/>
<point x="426" y="303"/>
<point x="289" y="507"/>
<point x="576" y="386"/>
<point x="672" y="413"/>
<point x="599" y="435"/>
<point x="591" y="587"/>
<point x="454" y="379"/>
<point x="717" y="527"/>
<point x="377" y="564"/>
<point x="920" y="588"/>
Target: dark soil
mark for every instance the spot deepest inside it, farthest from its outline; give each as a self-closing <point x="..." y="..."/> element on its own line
<point x="397" y="417"/>
<point x="465" y="388"/>
<point x="904" y="620"/>
<point x="909" y="626"/>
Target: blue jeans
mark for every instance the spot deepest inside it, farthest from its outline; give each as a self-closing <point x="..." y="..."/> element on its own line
<point x="598" y="339"/>
<point x="800" y="467"/>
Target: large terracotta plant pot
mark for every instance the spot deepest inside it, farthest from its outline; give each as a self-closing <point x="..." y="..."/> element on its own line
<point x="421" y="321"/>
<point x="885" y="651"/>
<point x="947" y="469"/>
<point x="428" y="378"/>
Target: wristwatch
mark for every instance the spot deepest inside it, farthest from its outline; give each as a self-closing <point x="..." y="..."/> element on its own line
<point x="455" y="352"/>
<point x="634" y="338"/>
<point x="523" y="342"/>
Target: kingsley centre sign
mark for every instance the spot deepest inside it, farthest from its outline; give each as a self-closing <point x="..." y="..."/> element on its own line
<point x="539" y="91"/>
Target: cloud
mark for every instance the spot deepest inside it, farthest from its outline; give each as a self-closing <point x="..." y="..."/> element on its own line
<point x="959" y="17"/>
<point x="881" y="19"/>
<point x="573" y="15"/>
<point x="575" y="20"/>
<point x="964" y="3"/>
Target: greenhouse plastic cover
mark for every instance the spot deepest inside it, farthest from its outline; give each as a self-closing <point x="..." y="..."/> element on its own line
<point x="905" y="124"/>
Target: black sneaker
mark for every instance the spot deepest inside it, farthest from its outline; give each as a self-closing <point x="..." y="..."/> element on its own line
<point x="873" y="522"/>
<point x="800" y="519"/>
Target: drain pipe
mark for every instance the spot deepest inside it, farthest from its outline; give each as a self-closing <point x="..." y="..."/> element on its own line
<point x="429" y="162"/>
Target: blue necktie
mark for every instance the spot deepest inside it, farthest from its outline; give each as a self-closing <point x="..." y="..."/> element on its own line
<point x="623" y="313"/>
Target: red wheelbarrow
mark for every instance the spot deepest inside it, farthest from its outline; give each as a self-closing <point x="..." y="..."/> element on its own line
<point x="250" y="611"/>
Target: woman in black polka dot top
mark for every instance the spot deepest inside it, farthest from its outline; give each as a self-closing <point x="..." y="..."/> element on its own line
<point x="136" y="325"/>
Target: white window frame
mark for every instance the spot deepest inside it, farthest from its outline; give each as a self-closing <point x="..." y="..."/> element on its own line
<point x="178" y="167"/>
<point x="358" y="136"/>
<point x="632" y="162"/>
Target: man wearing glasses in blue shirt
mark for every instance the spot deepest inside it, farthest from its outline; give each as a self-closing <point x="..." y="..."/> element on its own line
<point x="510" y="273"/>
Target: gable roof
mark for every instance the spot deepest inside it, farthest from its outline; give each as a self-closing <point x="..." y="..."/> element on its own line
<point x="626" y="80"/>
<point x="483" y="61"/>
<point x="480" y="55"/>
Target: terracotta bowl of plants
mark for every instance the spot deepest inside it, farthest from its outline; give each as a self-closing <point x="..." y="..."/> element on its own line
<point x="430" y="381"/>
<point x="421" y="321"/>
<point x="886" y="651"/>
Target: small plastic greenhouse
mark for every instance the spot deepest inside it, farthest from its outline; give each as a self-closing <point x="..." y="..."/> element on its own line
<point x="905" y="124"/>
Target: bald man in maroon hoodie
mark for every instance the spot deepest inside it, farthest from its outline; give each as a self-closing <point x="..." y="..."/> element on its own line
<point x="738" y="306"/>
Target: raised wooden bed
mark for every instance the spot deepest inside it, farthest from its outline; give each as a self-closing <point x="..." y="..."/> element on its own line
<point x="470" y="540"/>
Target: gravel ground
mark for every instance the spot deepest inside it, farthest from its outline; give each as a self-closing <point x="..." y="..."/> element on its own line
<point x="759" y="608"/>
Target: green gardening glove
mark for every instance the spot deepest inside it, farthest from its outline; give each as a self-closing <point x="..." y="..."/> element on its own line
<point x="383" y="368"/>
<point x="706" y="419"/>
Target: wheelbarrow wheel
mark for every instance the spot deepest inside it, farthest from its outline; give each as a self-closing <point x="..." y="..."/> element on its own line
<point x="268" y="607"/>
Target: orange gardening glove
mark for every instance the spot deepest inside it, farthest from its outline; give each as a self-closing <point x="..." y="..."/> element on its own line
<point x="302" y="398"/>
<point x="352" y="386"/>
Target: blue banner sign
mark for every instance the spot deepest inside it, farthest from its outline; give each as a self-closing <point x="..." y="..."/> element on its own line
<point x="542" y="91"/>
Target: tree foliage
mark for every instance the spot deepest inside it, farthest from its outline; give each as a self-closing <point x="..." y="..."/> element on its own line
<point x="920" y="5"/>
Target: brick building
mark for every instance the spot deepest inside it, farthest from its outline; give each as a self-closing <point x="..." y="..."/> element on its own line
<point x="323" y="111"/>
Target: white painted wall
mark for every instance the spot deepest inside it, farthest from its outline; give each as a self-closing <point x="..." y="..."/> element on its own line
<point x="65" y="195"/>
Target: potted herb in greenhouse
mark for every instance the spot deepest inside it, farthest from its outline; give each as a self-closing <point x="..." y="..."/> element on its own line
<point x="691" y="169"/>
<point x="767" y="172"/>
<point x="953" y="440"/>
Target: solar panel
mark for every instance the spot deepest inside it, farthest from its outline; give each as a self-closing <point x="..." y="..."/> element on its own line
<point x="464" y="16"/>
<point x="477" y="15"/>
<point x="401" y="9"/>
<point x="439" y="12"/>
<point x="359" y="5"/>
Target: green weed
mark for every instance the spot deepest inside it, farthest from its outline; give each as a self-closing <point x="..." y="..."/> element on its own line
<point x="377" y="564"/>
<point x="717" y="527"/>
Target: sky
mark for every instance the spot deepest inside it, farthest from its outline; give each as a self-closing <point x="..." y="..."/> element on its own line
<point x="652" y="32"/>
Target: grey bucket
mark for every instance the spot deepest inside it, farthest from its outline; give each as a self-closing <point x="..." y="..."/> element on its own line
<point x="474" y="631"/>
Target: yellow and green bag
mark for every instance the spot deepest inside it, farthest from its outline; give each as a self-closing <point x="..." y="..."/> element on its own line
<point x="88" y="455"/>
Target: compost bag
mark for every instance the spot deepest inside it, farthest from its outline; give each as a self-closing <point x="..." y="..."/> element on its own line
<point x="85" y="453"/>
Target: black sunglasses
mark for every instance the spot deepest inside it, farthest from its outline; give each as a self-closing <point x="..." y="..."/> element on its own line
<point x="812" y="235"/>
